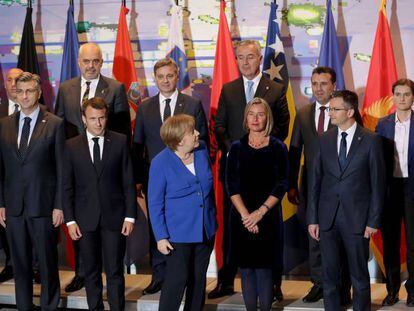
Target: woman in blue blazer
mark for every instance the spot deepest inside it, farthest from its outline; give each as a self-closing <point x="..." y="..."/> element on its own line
<point x="182" y="212"/>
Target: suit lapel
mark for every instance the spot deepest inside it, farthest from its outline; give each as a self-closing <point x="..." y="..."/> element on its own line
<point x="105" y="153"/>
<point x="76" y="91"/>
<point x="179" y="106"/>
<point x="101" y="88"/>
<point x="240" y="94"/>
<point x="40" y="125"/>
<point x="333" y="150"/>
<point x="155" y="110"/>
<point x="411" y="139"/>
<point x="356" y="141"/>
<point x="84" y="148"/>
<point x="262" y="88"/>
<point x="14" y="120"/>
<point x="312" y="119"/>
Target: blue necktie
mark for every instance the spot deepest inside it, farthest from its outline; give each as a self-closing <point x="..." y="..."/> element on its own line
<point x="342" y="151"/>
<point x="249" y="93"/>
<point x="24" y="138"/>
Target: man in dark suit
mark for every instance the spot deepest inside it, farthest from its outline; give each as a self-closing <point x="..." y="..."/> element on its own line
<point x="228" y="127"/>
<point x="31" y="151"/>
<point x="310" y="122"/>
<point x="100" y="202"/>
<point x="147" y="141"/>
<point x="70" y="96"/>
<point x="7" y="108"/>
<point x="397" y="131"/>
<point x="347" y="185"/>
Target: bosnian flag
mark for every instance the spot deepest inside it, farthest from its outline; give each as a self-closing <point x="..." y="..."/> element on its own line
<point x="175" y="47"/>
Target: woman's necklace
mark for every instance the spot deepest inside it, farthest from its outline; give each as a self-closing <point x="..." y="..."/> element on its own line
<point x="258" y="144"/>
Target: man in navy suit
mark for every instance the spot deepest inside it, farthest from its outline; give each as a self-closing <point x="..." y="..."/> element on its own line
<point x="147" y="141"/>
<point x="397" y="131"/>
<point x="31" y="157"/>
<point x="347" y="185"/>
<point x="99" y="202"/>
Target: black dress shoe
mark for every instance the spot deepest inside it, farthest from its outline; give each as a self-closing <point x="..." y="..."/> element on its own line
<point x="152" y="288"/>
<point x="76" y="284"/>
<point x="36" y="276"/>
<point x="346" y="299"/>
<point x="410" y="300"/>
<point x="6" y="274"/>
<point x="391" y="299"/>
<point x="277" y="294"/>
<point x="221" y="291"/>
<point x="315" y="294"/>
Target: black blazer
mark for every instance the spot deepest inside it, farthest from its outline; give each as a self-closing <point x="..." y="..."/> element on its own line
<point x="228" y="124"/>
<point x="304" y="138"/>
<point x="359" y="189"/>
<point x="147" y="140"/>
<point x="4" y="108"/>
<point x="113" y="92"/>
<point x="90" y="195"/>
<point x="35" y="180"/>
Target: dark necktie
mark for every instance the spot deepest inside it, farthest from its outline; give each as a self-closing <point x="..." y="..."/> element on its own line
<point x="96" y="153"/>
<point x="85" y="96"/>
<point x="321" y="120"/>
<point x="24" y="138"/>
<point x="16" y="108"/>
<point x="167" y="109"/>
<point x="342" y="151"/>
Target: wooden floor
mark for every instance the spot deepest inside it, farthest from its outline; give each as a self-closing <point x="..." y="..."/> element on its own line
<point x="293" y="292"/>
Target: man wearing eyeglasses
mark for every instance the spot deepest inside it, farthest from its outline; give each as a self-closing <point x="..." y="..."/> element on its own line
<point x="72" y="93"/>
<point x="345" y="199"/>
<point x="31" y="152"/>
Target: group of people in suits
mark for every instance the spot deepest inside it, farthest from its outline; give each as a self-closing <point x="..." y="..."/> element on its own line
<point x="84" y="167"/>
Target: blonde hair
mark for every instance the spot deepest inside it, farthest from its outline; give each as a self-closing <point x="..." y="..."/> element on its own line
<point x="268" y="111"/>
<point x="28" y="77"/>
<point x="174" y="129"/>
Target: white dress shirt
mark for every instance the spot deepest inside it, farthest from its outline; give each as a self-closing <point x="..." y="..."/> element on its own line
<point x="11" y="107"/>
<point x="401" y="138"/>
<point x="191" y="168"/>
<point x="32" y="116"/>
<point x="349" y="137"/>
<point x="91" y="143"/>
<point x="92" y="88"/>
<point x="256" y="81"/>
<point x="318" y="112"/>
<point x="173" y="103"/>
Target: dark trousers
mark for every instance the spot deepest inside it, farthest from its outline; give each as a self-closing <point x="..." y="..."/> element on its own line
<point x="5" y="245"/>
<point x="186" y="271"/>
<point x="79" y="271"/>
<point x="400" y="206"/>
<point x="357" y="252"/>
<point x="112" y="245"/>
<point x="23" y="233"/>
<point x="257" y="283"/>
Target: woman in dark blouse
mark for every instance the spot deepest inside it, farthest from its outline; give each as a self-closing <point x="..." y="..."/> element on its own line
<point x="256" y="181"/>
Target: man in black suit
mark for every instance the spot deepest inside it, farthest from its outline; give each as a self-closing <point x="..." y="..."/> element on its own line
<point x="310" y="122"/>
<point x="8" y="108"/>
<point x="147" y="141"/>
<point x="347" y="186"/>
<point x="70" y="96"/>
<point x="31" y="152"/>
<point x="397" y="131"/>
<point x="99" y="202"/>
<point x="228" y="127"/>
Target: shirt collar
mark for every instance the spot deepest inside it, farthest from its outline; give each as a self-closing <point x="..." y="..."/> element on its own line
<point x="397" y="121"/>
<point x="32" y="116"/>
<point x="350" y="131"/>
<point x="89" y="136"/>
<point x="318" y="105"/>
<point x="93" y="81"/>
<point x="172" y="97"/>
<point x="255" y="80"/>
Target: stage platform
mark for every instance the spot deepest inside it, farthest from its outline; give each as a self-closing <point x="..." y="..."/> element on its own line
<point x="293" y="292"/>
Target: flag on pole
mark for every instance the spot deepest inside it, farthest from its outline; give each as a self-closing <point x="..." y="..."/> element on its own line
<point x="123" y="68"/>
<point x="329" y="53"/>
<point x="378" y="100"/>
<point x="382" y="74"/>
<point x="176" y="48"/>
<point x="70" y="68"/>
<point x="225" y="70"/>
<point x="27" y="60"/>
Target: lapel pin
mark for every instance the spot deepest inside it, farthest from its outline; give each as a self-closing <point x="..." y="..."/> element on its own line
<point x="43" y="121"/>
<point x="267" y="87"/>
<point x="359" y="137"/>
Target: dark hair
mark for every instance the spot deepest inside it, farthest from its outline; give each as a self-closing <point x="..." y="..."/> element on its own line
<point x="328" y="70"/>
<point x="95" y="103"/>
<point x="165" y="62"/>
<point x="351" y="101"/>
<point x="406" y="82"/>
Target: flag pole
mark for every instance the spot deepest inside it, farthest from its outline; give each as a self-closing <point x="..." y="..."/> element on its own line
<point x="124" y="3"/>
<point x="71" y="2"/>
<point x="29" y="3"/>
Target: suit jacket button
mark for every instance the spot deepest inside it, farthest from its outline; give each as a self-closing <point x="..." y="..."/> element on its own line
<point x="199" y="193"/>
